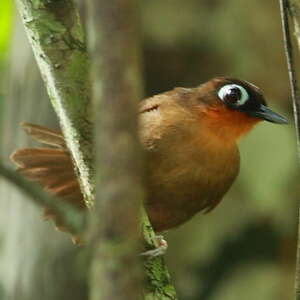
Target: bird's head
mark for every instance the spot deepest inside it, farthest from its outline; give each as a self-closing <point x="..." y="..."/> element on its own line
<point x="231" y="107"/>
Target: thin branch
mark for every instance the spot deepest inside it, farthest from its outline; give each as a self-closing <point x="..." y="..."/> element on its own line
<point x="55" y="33"/>
<point x="285" y="11"/>
<point x="158" y="281"/>
<point x="73" y="219"/>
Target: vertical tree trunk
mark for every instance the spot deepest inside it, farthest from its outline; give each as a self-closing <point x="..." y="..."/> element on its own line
<point x="115" y="272"/>
<point x="114" y="45"/>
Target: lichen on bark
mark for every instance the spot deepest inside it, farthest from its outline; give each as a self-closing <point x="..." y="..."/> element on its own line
<point x="57" y="39"/>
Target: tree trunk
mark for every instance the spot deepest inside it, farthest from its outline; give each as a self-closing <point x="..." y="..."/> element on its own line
<point x="115" y="50"/>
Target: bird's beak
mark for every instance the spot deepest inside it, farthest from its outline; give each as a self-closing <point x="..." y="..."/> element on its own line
<point x="265" y="113"/>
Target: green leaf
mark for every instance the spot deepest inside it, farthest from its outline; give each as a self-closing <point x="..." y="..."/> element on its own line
<point x="5" y="25"/>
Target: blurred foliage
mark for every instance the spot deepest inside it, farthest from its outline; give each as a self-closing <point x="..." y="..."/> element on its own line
<point x="5" y="26"/>
<point x="5" y="35"/>
<point x="245" y="248"/>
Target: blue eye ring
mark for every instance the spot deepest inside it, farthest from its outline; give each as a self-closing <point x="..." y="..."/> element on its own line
<point x="233" y="94"/>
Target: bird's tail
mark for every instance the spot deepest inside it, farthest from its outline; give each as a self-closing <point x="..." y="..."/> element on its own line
<point x="51" y="167"/>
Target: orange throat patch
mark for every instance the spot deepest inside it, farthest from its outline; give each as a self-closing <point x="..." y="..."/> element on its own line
<point x="226" y="125"/>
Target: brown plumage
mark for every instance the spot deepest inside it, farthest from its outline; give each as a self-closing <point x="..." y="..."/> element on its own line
<point x="190" y="139"/>
<point x="51" y="167"/>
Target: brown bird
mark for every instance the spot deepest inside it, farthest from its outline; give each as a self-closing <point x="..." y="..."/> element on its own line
<point x="190" y="139"/>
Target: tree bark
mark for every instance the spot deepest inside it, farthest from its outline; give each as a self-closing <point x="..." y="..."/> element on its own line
<point x="115" y="50"/>
<point x="114" y="228"/>
<point x="55" y="33"/>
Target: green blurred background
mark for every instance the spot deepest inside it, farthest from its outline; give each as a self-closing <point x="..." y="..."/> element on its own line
<point x="245" y="248"/>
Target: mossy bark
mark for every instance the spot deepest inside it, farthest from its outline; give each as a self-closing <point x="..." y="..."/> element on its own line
<point x="158" y="285"/>
<point x="57" y="39"/>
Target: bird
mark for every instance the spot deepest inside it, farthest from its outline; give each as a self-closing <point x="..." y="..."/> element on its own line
<point x="190" y="139"/>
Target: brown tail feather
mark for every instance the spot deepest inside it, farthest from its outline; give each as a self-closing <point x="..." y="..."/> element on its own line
<point x="47" y="176"/>
<point x="42" y="157"/>
<point x="50" y="167"/>
<point x="45" y="135"/>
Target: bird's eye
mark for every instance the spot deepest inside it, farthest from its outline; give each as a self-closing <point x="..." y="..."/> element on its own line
<point x="233" y="94"/>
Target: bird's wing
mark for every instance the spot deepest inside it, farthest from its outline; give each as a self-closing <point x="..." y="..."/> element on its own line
<point x="151" y="121"/>
<point x="50" y="167"/>
<point x="150" y="105"/>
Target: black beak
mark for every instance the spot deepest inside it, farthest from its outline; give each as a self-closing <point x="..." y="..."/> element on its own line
<point x="265" y="113"/>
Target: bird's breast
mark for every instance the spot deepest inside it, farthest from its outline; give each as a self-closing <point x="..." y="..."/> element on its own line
<point x="189" y="168"/>
<point x="186" y="177"/>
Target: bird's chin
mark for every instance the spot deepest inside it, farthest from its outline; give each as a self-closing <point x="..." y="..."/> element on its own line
<point x="228" y="125"/>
